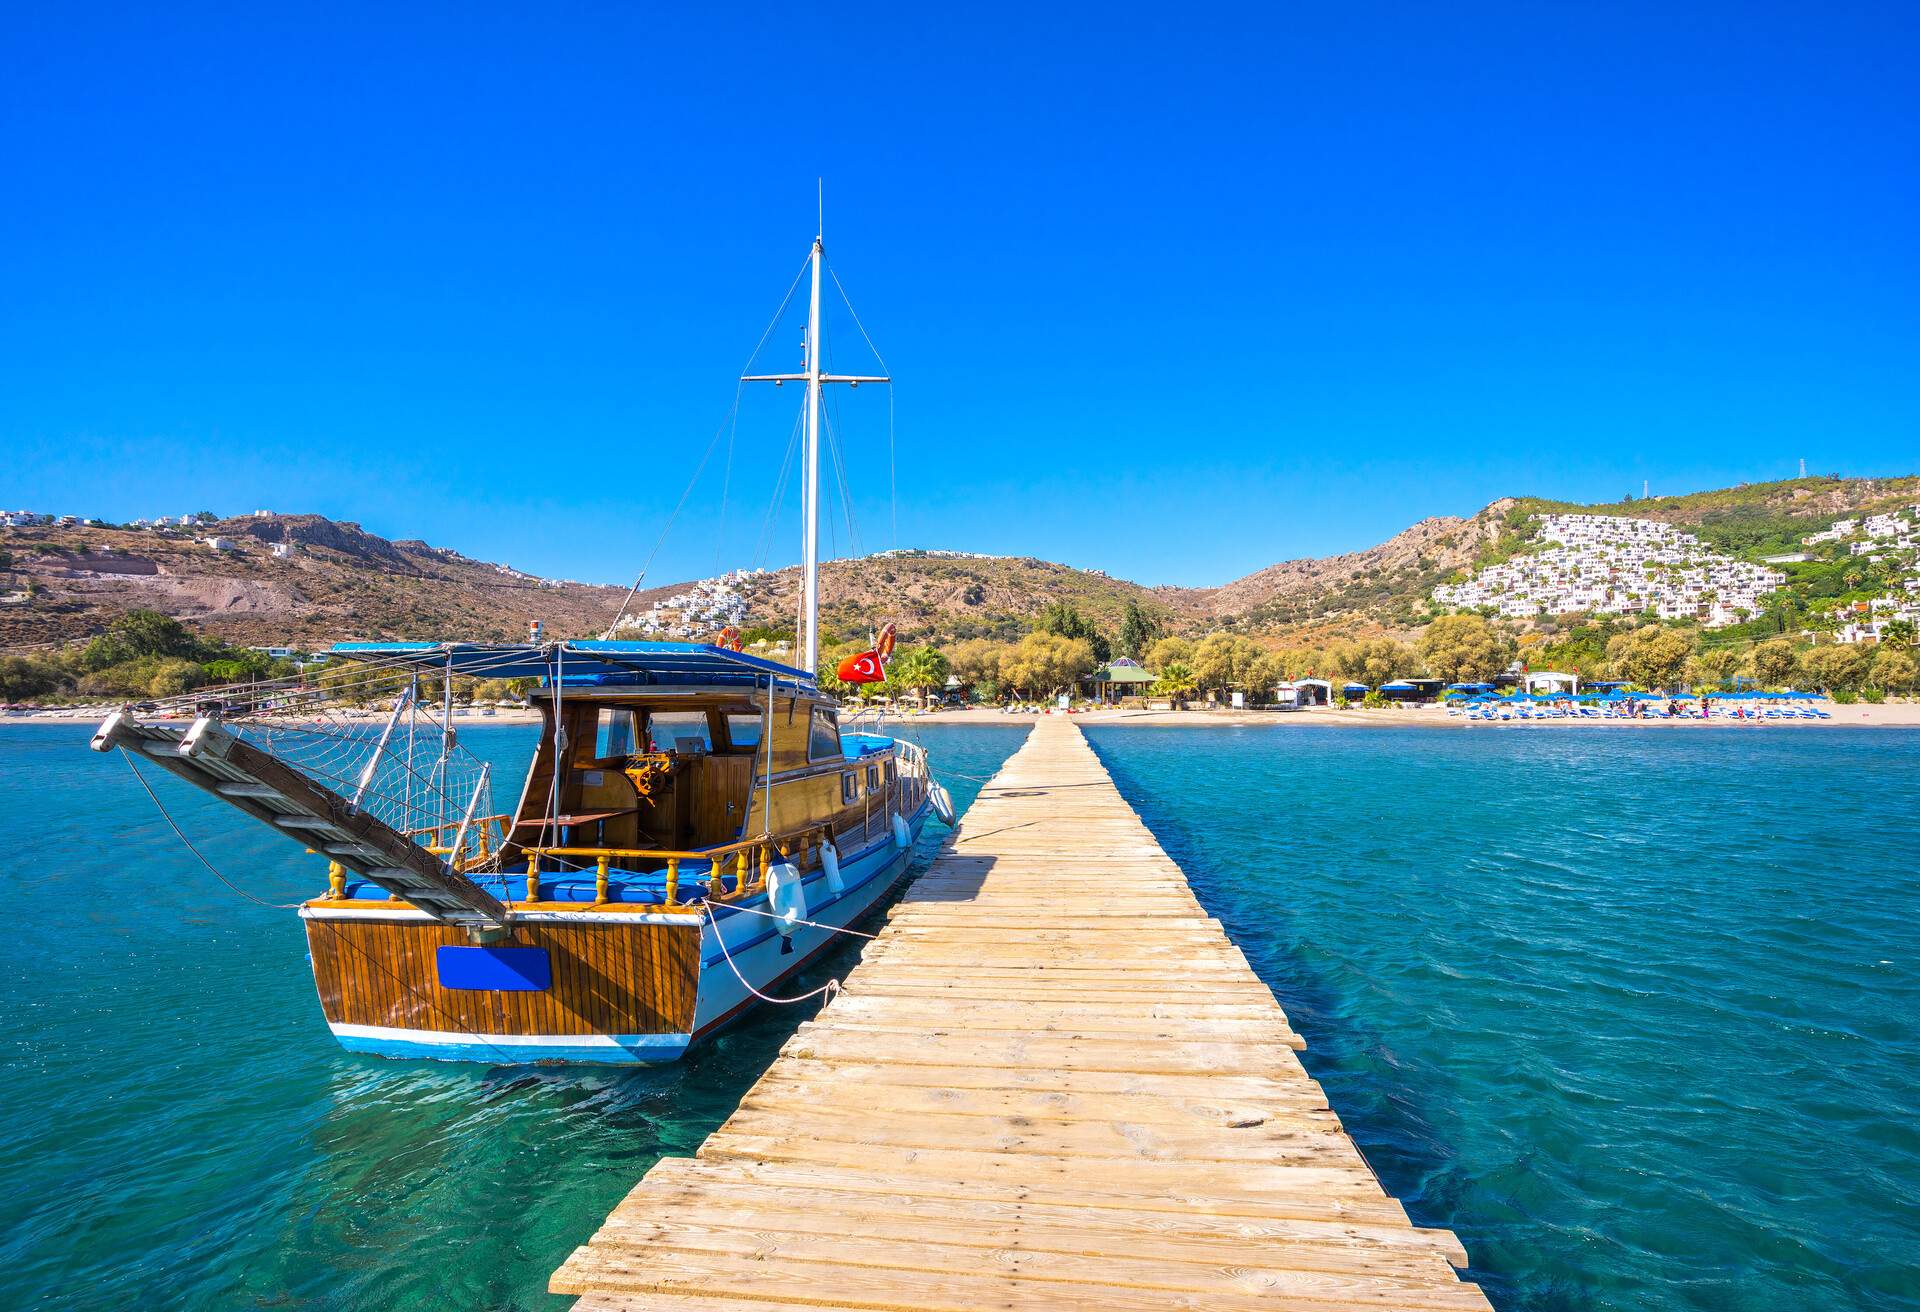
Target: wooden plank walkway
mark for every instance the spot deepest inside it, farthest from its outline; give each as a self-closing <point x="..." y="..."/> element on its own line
<point x="1052" y="1082"/>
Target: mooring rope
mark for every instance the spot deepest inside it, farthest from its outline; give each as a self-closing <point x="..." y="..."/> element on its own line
<point x="275" y="906"/>
<point x="810" y="924"/>
<point x="830" y="988"/>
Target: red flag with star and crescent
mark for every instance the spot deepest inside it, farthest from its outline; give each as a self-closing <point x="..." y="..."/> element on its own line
<point x="868" y="666"/>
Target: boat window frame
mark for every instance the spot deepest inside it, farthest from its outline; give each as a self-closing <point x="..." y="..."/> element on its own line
<point x="849" y="787"/>
<point x="824" y="716"/>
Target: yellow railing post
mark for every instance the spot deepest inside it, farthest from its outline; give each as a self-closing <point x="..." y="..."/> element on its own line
<point x="600" y="882"/>
<point x="673" y="879"/>
<point x="533" y="876"/>
<point x="336" y="881"/>
<point x="766" y="863"/>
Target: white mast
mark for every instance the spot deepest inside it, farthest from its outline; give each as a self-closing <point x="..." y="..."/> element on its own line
<point x="814" y="377"/>
<point x="810" y="497"/>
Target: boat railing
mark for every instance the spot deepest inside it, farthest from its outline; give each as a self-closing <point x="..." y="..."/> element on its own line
<point x="748" y="861"/>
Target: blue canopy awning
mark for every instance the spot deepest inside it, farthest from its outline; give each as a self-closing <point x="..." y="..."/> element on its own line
<point x="582" y="660"/>
<point x="1398" y="685"/>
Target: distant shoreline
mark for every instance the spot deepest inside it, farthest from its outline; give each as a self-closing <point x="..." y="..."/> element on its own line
<point x="1903" y="715"/>
<point x="1888" y="715"/>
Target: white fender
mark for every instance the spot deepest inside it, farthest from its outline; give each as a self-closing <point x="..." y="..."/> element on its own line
<point x="830" y="864"/>
<point x="786" y="898"/>
<point x="902" y="836"/>
<point x="942" y="803"/>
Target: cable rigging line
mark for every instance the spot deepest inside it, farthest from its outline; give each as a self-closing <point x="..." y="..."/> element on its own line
<point x="726" y="422"/>
<point x="893" y="481"/>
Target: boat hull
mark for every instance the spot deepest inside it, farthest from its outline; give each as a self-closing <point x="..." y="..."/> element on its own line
<point x="621" y="987"/>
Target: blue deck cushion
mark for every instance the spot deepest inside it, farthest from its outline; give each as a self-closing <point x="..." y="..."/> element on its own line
<point x="639" y="886"/>
<point x="855" y="745"/>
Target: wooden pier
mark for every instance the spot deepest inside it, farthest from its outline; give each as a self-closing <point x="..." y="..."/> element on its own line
<point x="1052" y="1082"/>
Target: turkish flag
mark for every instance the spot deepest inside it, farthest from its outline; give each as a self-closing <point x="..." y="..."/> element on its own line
<point x="861" y="668"/>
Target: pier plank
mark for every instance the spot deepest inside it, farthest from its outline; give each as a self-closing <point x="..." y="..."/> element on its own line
<point x="1051" y="1082"/>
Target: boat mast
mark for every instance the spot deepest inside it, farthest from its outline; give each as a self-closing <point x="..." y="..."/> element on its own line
<point x="810" y="497"/>
<point x="814" y="377"/>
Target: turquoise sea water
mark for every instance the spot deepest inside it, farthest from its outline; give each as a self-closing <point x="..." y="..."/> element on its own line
<point x="1637" y="1014"/>
<point x="179" y="1130"/>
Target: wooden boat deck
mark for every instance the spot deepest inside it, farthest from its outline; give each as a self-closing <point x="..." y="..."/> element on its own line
<point x="1052" y="1082"/>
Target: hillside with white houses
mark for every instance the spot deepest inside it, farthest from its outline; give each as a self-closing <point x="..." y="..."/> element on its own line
<point x="1612" y="565"/>
<point x="1891" y="541"/>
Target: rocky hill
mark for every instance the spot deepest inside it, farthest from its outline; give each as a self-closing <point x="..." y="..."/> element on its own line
<point x="943" y="596"/>
<point x="332" y="581"/>
<point x="335" y="580"/>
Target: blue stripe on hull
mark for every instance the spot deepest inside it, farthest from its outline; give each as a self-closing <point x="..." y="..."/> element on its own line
<point x="622" y="1050"/>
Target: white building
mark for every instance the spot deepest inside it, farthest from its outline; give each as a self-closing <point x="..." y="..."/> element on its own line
<point x="1609" y="565"/>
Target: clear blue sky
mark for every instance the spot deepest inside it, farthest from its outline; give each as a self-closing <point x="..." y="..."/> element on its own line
<point x="1168" y="292"/>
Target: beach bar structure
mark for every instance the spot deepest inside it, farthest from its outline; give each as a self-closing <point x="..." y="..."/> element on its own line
<point x="1051" y="1082"/>
<point x="1304" y="692"/>
<point x="1119" y="678"/>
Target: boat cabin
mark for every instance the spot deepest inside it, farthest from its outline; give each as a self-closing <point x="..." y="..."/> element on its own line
<point x="660" y="770"/>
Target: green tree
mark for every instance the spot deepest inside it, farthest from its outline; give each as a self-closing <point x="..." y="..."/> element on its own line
<point x="1713" y="668"/>
<point x="1225" y="660"/>
<point x="174" y="675"/>
<point x="976" y="663"/>
<point x="1137" y="631"/>
<point x="1168" y="651"/>
<point x="1464" y="649"/>
<point x="23" y="678"/>
<point x="1892" y="670"/>
<point x="1839" y="667"/>
<point x="140" y="633"/>
<point x="1043" y="663"/>
<point x="1063" y="620"/>
<point x="1652" y="656"/>
<point x="1772" y="663"/>
<point x="1897" y="633"/>
<point x="1374" y="661"/>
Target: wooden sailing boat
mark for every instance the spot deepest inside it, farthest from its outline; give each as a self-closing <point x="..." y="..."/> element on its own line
<point x="694" y="828"/>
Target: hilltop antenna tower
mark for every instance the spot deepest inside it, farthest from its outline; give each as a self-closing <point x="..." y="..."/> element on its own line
<point x="1643" y="489"/>
<point x="814" y="378"/>
<point x="1803" y="466"/>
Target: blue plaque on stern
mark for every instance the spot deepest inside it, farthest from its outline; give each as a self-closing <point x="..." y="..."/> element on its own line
<point x="501" y="970"/>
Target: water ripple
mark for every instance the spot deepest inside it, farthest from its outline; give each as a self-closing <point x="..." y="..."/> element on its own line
<point x="1637" y="1015"/>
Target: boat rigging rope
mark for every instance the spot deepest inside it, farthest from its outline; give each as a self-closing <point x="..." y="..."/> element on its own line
<point x="161" y="807"/>
<point x="893" y="481"/>
<point x="725" y="427"/>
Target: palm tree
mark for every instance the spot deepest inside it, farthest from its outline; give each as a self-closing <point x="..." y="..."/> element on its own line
<point x="1176" y="683"/>
<point x="919" y="670"/>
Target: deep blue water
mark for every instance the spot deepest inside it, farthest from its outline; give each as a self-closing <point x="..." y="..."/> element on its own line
<point x="179" y="1130"/>
<point x="1637" y="1014"/>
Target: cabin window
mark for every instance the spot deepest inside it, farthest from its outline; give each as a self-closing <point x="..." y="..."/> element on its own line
<point x="849" y="788"/>
<point x="873" y="777"/>
<point x="613" y="733"/>
<point x="680" y="731"/>
<point x="823" y="736"/>
<point x="743" y="731"/>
